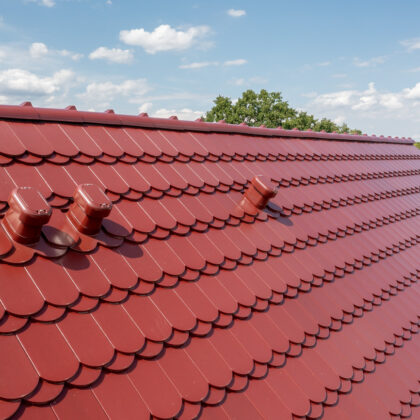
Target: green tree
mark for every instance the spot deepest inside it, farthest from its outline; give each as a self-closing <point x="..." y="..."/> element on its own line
<point x="271" y="110"/>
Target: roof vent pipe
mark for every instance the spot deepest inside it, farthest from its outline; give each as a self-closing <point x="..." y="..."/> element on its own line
<point x="89" y="208"/>
<point x="259" y="193"/>
<point x="28" y="212"/>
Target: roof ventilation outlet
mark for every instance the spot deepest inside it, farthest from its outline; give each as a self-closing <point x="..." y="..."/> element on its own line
<point x="28" y="212"/>
<point x="89" y="208"/>
<point x="258" y="194"/>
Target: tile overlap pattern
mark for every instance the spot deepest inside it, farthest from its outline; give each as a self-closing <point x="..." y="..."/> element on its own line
<point x="184" y="306"/>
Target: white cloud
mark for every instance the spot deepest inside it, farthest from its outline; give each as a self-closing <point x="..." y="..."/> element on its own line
<point x="164" y="38"/>
<point x="38" y="49"/>
<point x="372" y="110"/>
<point x="74" y="56"/>
<point x="182" y="114"/>
<point x="238" y="62"/>
<point x="324" y="63"/>
<point x="256" y="80"/>
<point x="335" y="99"/>
<point x="371" y="62"/>
<point x="105" y="93"/>
<point x="115" y="55"/>
<point x="199" y="65"/>
<point x="340" y="119"/>
<point x="339" y="75"/>
<point x="413" y="93"/>
<point x="46" y="3"/>
<point x="363" y="100"/>
<point x="236" y="12"/>
<point x="390" y="100"/>
<point x="371" y="103"/>
<point x="146" y="107"/>
<point x="22" y="82"/>
<point x="411" y="44"/>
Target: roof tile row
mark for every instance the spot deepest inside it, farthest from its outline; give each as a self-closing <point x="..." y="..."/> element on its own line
<point x="185" y="305"/>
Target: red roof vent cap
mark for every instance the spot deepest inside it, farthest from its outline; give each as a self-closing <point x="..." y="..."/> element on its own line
<point x="28" y="212"/>
<point x="260" y="191"/>
<point x="90" y="207"/>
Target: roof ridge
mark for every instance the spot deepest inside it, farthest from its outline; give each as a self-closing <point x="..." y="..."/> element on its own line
<point x="26" y="111"/>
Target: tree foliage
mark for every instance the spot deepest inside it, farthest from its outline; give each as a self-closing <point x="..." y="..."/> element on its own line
<point x="271" y="110"/>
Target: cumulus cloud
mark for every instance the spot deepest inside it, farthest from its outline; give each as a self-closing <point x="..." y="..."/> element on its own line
<point x="238" y="62"/>
<point x="370" y="104"/>
<point x="146" y="107"/>
<point x="115" y="55"/>
<point x="74" y="56"/>
<point x="105" y="93"/>
<point x="363" y="100"/>
<point x="371" y="62"/>
<point x="199" y="65"/>
<point x="413" y="93"/>
<point x="411" y="44"/>
<point x="182" y="114"/>
<point x="38" y="49"/>
<point x="236" y="12"/>
<point x="372" y="110"/>
<point x="23" y="82"/>
<point x="164" y="38"/>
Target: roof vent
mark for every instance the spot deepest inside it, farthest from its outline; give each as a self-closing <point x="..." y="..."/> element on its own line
<point x="260" y="191"/>
<point x="90" y="207"/>
<point x="28" y="212"/>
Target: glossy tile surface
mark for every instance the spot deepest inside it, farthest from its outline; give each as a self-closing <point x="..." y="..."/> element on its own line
<point x="186" y="305"/>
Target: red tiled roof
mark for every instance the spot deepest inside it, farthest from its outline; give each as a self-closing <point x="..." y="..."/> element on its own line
<point x="190" y="299"/>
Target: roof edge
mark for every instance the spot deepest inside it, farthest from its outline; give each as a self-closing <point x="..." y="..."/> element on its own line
<point x="71" y="115"/>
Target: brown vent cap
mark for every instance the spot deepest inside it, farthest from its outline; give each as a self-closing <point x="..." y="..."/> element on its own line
<point x="260" y="191"/>
<point x="90" y="207"/>
<point x="28" y="212"/>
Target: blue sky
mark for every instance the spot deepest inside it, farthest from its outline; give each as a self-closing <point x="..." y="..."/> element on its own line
<point x="356" y="62"/>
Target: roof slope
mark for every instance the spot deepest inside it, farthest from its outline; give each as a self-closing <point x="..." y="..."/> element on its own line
<point x="184" y="305"/>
